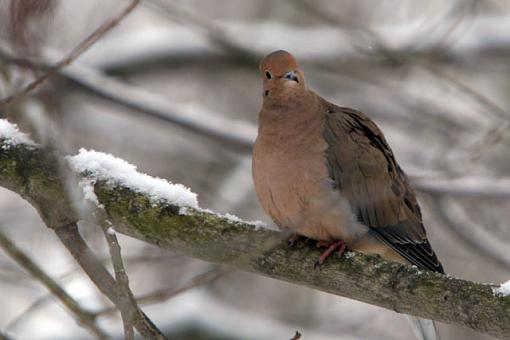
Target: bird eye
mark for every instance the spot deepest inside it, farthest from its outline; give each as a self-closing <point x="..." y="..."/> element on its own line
<point x="268" y="75"/>
<point x="292" y="75"/>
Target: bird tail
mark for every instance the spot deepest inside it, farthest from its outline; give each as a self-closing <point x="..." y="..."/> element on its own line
<point x="423" y="329"/>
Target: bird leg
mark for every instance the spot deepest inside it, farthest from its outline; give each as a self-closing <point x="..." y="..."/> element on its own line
<point x="331" y="247"/>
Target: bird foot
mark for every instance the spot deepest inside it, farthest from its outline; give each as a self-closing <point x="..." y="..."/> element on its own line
<point x="331" y="247"/>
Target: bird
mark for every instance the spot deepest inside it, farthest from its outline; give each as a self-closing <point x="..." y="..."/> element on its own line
<point x="327" y="173"/>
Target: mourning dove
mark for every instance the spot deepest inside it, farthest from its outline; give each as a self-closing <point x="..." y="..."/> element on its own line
<point x="327" y="173"/>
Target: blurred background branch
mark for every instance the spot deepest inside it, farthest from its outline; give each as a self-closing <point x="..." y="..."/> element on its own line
<point x="83" y="317"/>
<point x="75" y="53"/>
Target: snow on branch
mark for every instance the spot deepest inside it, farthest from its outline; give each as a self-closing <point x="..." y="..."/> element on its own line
<point x="139" y="206"/>
<point x="98" y="166"/>
<point x="11" y="135"/>
<point x="503" y="289"/>
<point x="101" y="167"/>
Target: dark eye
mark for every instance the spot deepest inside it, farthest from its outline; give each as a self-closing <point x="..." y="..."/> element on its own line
<point x="292" y="75"/>
<point x="268" y="75"/>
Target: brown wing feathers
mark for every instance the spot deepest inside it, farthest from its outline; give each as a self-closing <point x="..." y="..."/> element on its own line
<point x="362" y="166"/>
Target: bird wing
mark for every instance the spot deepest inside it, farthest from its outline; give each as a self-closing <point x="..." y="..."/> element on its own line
<point x="362" y="166"/>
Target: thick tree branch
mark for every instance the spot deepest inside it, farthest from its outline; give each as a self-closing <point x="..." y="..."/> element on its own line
<point x="39" y="177"/>
<point x="212" y="238"/>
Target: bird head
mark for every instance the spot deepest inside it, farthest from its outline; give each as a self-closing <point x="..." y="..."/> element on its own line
<point x="282" y="78"/>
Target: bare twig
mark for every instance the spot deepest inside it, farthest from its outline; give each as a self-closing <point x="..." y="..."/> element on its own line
<point x="493" y="135"/>
<point x="490" y="138"/>
<point x="75" y="53"/>
<point x="122" y="280"/>
<point x="72" y="240"/>
<point x="29" y="311"/>
<point x="238" y="134"/>
<point x="483" y="100"/>
<point x="215" y="33"/>
<point x="474" y="236"/>
<point x="474" y="187"/>
<point x="165" y="294"/>
<point x="461" y="11"/>
<point x="43" y="300"/>
<point x="83" y="317"/>
<point x="207" y="277"/>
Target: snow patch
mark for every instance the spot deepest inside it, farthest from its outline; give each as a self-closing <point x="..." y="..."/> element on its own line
<point x="110" y="231"/>
<point x="503" y="290"/>
<point x="231" y="218"/>
<point x="236" y="219"/>
<point x="87" y="187"/>
<point x="12" y="135"/>
<point x="100" y="166"/>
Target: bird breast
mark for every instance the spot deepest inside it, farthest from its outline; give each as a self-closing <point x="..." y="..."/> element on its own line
<point x="293" y="187"/>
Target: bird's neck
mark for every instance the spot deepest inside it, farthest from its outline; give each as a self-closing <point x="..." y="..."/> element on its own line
<point x="291" y="120"/>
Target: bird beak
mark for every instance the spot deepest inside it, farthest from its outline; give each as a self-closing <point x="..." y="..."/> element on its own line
<point x="291" y="76"/>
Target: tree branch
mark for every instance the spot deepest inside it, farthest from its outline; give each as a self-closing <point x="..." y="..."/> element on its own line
<point x="83" y="317"/>
<point x="122" y="281"/>
<point x="38" y="176"/>
<point x="209" y="237"/>
<point x="165" y="294"/>
<point x="72" y="240"/>
<point x="75" y="53"/>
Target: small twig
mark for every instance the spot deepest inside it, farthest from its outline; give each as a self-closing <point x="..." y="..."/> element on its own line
<point x="43" y="300"/>
<point x="237" y="134"/>
<point x="122" y="280"/>
<point x="466" y="187"/>
<point x="72" y="240"/>
<point x="473" y="236"/>
<point x="216" y="34"/>
<point x="27" y="312"/>
<point x="202" y="279"/>
<point x="162" y="295"/>
<point x="490" y="138"/>
<point x="484" y="101"/>
<point x="75" y="53"/>
<point x="82" y="316"/>
<point x="395" y="56"/>
<point x="466" y="9"/>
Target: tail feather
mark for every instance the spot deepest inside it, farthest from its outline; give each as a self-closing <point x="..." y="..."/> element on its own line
<point x="423" y="329"/>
